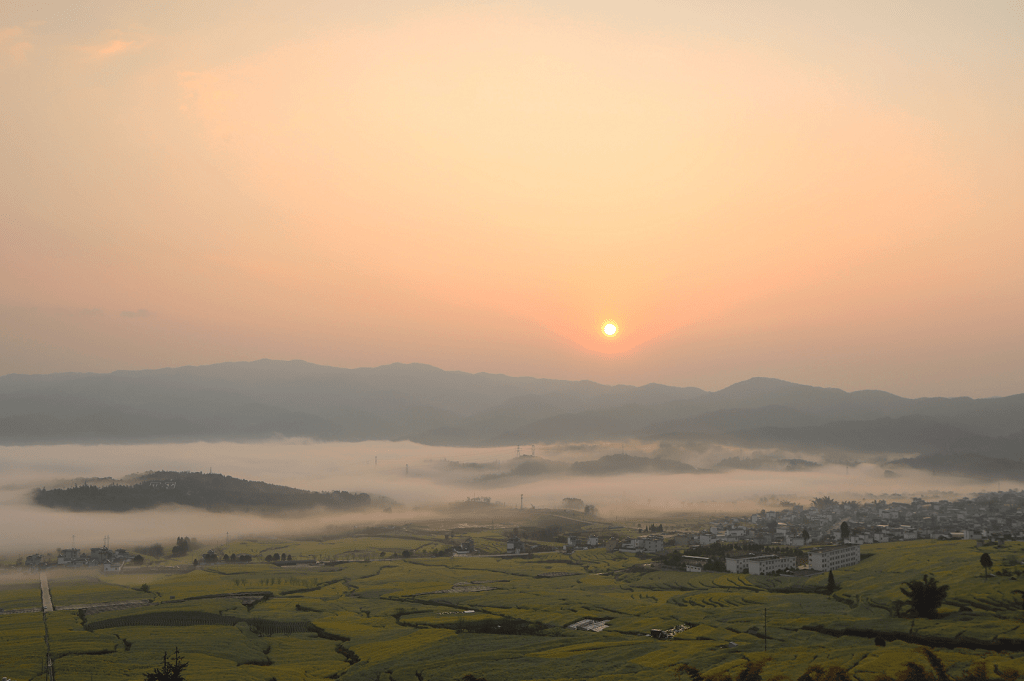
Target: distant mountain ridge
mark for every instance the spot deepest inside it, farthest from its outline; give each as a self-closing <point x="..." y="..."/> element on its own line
<point x="248" y="401"/>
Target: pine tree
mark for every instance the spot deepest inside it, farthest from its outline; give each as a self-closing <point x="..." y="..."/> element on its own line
<point x="169" y="670"/>
<point x="832" y="586"/>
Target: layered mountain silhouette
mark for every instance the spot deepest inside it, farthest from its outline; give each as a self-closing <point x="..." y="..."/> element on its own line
<point x="249" y="401"/>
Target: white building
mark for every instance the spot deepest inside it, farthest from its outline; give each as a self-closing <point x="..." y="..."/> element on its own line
<point x="833" y="557"/>
<point x="652" y="544"/>
<point x="738" y="564"/>
<point x="759" y="564"/>
<point x="770" y="564"/>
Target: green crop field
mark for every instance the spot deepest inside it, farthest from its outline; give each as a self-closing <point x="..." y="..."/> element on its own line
<point x="506" y="618"/>
<point x="21" y="596"/>
<point x="22" y="646"/>
<point x="69" y="589"/>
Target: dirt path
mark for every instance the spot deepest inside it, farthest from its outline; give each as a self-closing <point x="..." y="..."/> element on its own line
<point x="44" y="586"/>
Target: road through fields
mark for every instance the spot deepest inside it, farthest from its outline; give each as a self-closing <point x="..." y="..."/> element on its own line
<point x="44" y="586"/>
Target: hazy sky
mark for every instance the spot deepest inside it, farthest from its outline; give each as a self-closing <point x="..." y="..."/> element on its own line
<point x="824" y="192"/>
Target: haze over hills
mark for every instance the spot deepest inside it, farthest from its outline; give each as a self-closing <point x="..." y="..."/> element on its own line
<point x="246" y="401"/>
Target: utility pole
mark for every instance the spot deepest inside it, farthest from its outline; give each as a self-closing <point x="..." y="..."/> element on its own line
<point x="520" y="502"/>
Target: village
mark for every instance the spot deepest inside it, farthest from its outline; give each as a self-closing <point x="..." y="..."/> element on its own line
<point x="832" y="533"/>
<point x="825" y="535"/>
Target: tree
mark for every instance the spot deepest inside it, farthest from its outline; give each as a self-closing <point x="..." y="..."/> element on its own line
<point x="844" y="530"/>
<point x="181" y="547"/>
<point x="156" y="550"/>
<point x="806" y="535"/>
<point x="832" y="587"/>
<point x="169" y="670"/>
<point x="926" y="595"/>
<point x="138" y="559"/>
<point x="986" y="562"/>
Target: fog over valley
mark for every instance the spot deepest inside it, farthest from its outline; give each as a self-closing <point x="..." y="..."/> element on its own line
<point x="623" y="481"/>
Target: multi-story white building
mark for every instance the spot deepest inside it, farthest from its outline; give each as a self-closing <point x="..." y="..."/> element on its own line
<point x="770" y="564"/>
<point x="737" y="564"/>
<point x="833" y="557"/>
<point x="759" y="565"/>
<point x="652" y="544"/>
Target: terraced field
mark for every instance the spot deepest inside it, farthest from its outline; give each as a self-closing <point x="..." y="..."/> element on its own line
<point x="497" y="618"/>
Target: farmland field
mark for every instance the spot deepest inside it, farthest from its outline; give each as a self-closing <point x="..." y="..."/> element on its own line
<point x="506" y="618"/>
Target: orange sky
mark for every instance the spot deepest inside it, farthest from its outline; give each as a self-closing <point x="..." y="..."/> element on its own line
<point x="826" y="193"/>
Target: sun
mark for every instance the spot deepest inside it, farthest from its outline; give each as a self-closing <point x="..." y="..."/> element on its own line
<point x="610" y="328"/>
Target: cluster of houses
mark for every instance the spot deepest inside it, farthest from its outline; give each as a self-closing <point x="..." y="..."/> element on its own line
<point x="835" y="531"/>
<point x="819" y="558"/>
<point x="988" y="516"/>
<point x="111" y="559"/>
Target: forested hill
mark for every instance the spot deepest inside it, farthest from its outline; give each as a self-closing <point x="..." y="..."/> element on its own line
<point x="213" y="492"/>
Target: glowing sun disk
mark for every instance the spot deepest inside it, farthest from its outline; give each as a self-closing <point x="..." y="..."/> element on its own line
<point x="610" y="328"/>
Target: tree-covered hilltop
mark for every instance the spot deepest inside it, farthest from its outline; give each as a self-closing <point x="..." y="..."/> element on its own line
<point x="210" y="491"/>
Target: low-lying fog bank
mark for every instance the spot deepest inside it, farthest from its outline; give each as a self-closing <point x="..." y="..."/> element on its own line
<point x="630" y="479"/>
